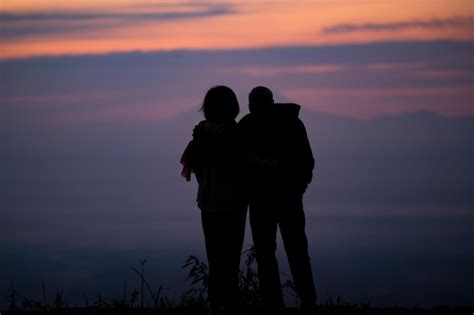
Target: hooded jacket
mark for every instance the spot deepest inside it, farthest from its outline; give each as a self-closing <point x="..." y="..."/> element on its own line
<point x="278" y="156"/>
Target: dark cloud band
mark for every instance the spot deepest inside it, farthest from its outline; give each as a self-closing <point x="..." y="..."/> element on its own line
<point x="454" y="22"/>
<point x="15" y="25"/>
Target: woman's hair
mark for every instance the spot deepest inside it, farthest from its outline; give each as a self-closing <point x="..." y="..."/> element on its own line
<point x="220" y="104"/>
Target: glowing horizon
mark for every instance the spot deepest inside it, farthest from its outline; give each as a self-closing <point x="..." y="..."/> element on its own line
<point x="354" y="58"/>
<point x="53" y="28"/>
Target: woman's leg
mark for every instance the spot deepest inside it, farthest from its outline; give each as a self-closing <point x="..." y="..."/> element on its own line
<point x="234" y="232"/>
<point x="211" y="228"/>
<point x="224" y="236"/>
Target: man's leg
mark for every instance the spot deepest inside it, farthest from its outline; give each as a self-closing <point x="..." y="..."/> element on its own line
<point x="264" y="226"/>
<point x="292" y="228"/>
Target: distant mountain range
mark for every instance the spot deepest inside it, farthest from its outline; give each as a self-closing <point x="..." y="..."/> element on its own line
<point x="411" y="160"/>
<point x="412" y="163"/>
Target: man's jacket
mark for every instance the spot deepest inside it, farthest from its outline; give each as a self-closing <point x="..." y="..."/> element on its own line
<point x="278" y="157"/>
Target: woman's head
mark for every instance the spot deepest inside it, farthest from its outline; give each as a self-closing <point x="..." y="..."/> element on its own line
<point x="220" y="104"/>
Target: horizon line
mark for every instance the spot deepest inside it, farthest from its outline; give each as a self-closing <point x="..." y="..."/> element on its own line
<point x="240" y="49"/>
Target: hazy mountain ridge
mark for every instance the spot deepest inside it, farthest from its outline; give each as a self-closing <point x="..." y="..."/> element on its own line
<point x="415" y="159"/>
<point x="407" y="161"/>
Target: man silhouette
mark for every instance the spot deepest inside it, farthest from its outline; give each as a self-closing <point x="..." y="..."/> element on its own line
<point x="279" y="164"/>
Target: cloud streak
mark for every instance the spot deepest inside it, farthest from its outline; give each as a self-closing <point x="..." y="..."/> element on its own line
<point x="452" y="22"/>
<point x="16" y="25"/>
<point x="83" y="16"/>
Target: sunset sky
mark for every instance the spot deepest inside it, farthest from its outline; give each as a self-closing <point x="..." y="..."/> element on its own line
<point x="38" y="28"/>
<point x="441" y="81"/>
<point x="98" y="99"/>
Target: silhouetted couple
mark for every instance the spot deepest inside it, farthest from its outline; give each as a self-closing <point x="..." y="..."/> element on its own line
<point x="265" y="163"/>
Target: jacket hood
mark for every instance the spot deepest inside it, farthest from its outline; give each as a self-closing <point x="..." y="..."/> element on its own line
<point x="278" y="110"/>
<point x="287" y="109"/>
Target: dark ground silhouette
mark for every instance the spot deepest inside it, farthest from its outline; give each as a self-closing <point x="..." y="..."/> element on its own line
<point x="194" y="300"/>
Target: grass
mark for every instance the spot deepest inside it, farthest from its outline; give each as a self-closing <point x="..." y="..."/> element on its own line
<point x="147" y="300"/>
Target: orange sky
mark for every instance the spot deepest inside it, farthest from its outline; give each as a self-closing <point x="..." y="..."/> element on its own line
<point x="41" y="27"/>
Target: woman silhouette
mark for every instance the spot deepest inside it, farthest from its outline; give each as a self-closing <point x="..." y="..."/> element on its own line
<point x="214" y="156"/>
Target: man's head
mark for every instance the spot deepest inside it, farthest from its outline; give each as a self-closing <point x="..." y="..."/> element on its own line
<point x="259" y="99"/>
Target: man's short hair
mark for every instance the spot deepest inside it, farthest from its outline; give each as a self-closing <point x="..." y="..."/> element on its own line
<point x="261" y="95"/>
